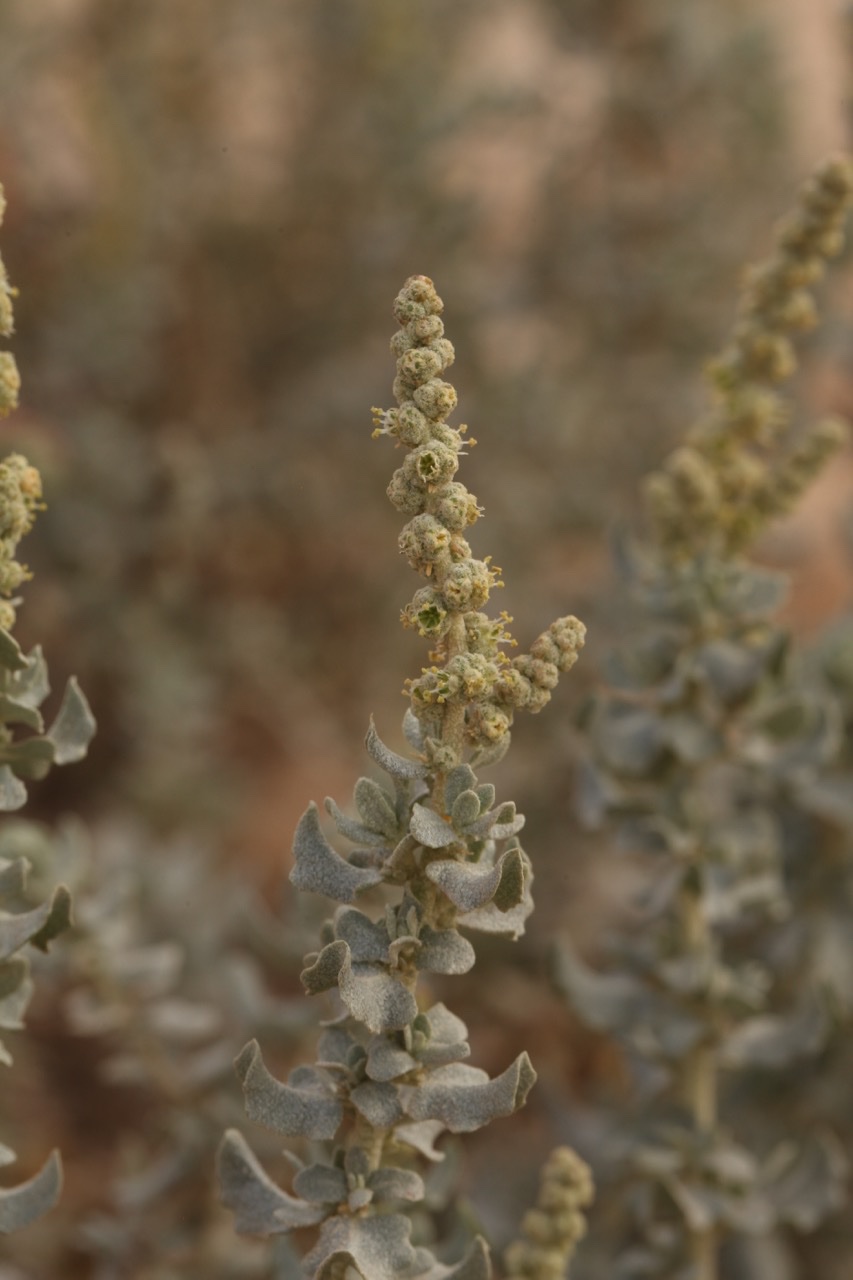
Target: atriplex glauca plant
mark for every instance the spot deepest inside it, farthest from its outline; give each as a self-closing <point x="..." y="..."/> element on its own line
<point x="391" y="1075"/>
<point x="692" y="749"/>
<point x="23" y="688"/>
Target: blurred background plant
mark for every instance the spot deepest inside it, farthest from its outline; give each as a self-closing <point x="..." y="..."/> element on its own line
<point x="196" y="190"/>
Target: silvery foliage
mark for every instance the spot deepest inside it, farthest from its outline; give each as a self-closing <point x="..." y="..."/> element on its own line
<point x="163" y="991"/>
<point x="711" y="750"/>
<point x="382" y="1064"/>
<point x="23" y="688"/>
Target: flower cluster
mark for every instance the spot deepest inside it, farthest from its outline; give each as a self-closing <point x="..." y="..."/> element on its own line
<point x="739" y="467"/>
<point x="10" y="381"/>
<point x="473" y="686"/>
<point x="552" y="1231"/>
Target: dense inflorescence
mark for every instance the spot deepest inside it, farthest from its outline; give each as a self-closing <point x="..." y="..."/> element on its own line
<point x="552" y="1231"/>
<point x="704" y="751"/>
<point x="392" y="1076"/>
<point x="739" y="468"/>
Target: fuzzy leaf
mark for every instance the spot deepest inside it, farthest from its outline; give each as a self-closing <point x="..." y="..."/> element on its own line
<point x="30" y="686"/>
<point x="306" y="1105"/>
<point x="21" y="1205"/>
<point x="375" y="808"/>
<point x="30" y="759"/>
<point x="465" y="810"/>
<point x="367" y="941"/>
<point x="396" y="1184"/>
<point x="625" y="1005"/>
<point x="260" y="1207"/>
<point x="440" y="1037"/>
<point x="629" y="739"/>
<point x="396" y="766"/>
<point x="412" y="730"/>
<point x="11" y="656"/>
<point x="13" y="793"/>
<point x="776" y="1042"/>
<point x="14" y="712"/>
<point x="422" y="1137"/>
<point x="378" y="1103"/>
<point x="444" y="951"/>
<point x="430" y="829"/>
<point x="469" y="885"/>
<point x="320" y="869"/>
<point x="321" y="1183"/>
<point x="352" y="830"/>
<point x="510" y="891"/>
<point x="464" y="1099"/>
<point x="376" y="998"/>
<point x="459" y="780"/>
<point x="74" y="726"/>
<point x="378" y="1248"/>
<point x="324" y="972"/>
<point x="16" y="995"/>
<point x="807" y="1182"/>
<point x="39" y="926"/>
<point x="474" y="1266"/>
<point x="387" y="1061"/>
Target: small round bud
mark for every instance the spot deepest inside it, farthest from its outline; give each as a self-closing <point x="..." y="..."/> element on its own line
<point x="424" y="542"/>
<point x="10" y="383"/>
<point x="487" y="724"/>
<point x="412" y="427"/>
<point x="455" y="506"/>
<point x="425" y="330"/>
<point x="431" y="465"/>
<point x="405" y="494"/>
<point x="419" y="365"/>
<point x="436" y="399"/>
<point x="467" y="585"/>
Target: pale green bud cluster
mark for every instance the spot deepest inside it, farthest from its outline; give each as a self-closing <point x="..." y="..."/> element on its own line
<point x="552" y="1231"/>
<point x="20" y="499"/>
<point x="739" y="469"/>
<point x="10" y="382"/>
<point x="473" y="674"/>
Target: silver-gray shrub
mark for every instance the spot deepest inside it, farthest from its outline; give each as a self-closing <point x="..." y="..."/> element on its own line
<point x="435" y="855"/>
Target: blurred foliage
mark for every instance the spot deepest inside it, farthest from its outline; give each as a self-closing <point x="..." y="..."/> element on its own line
<point x="210" y="203"/>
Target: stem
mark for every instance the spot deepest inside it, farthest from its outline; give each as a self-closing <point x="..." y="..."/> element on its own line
<point x="453" y="723"/>
<point x="699" y="1080"/>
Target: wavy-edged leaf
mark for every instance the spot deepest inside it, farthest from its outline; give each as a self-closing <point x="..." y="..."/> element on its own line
<point x="377" y="1248"/>
<point x="378" y="1103"/>
<point x="305" y="1106"/>
<point x="476" y="1264"/>
<point x="318" y="868"/>
<point x="807" y="1181"/>
<point x="421" y="1136"/>
<point x="444" y="951"/>
<point x="775" y="1042"/>
<point x="470" y="885"/>
<point x="368" y="942"/>
<point x="31" y="685"/>
<point x="376" y="808"/>
<point x="21" y="1205"/>
<point x="321" y="1184"/>
<point x="38" y="926"/>
<point x="375" y="997"/>
<point x="350" y="828"/>
<point x="74" y="726"/>
<point x="13" y="793"/>
<point x="11" y="656"/>
<point x="386" y="1060"/>
<point x="430" y="829"/>
<point x="412" y="730"/>
<point x="14" y="712"/>
<point x="396" y="1184"/>
<point x="16" y="993"/>
<point x="464" y="1098"/>
<point x="29" y="759"/>
<point x="439" y="1037"/>
<point x="260" y="1208"/>
<point x="397" y="766"/>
